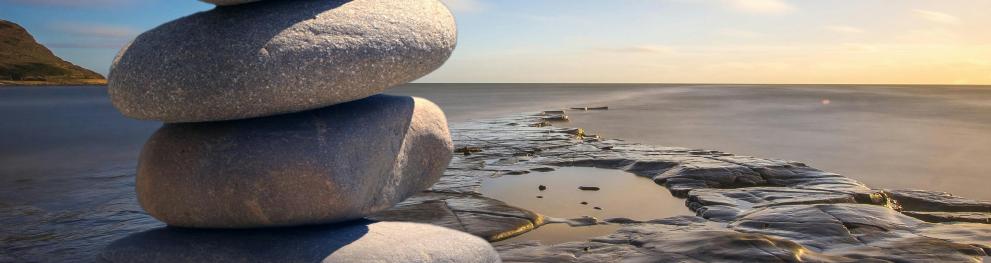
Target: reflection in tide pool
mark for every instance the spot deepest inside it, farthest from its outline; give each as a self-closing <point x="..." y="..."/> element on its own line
<point x="551" y="234"/>
<point x="621" y="194"/>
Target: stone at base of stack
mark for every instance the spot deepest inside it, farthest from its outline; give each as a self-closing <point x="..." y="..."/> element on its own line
<point x="352" y="242"/>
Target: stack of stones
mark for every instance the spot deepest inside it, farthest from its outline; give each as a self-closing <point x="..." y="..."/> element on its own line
<point x="273" y="128"/>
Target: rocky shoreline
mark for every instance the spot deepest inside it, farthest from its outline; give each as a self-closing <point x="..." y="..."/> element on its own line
<point x="766" y="222"/>
<point x="748" y="208"/>
<point x="25" y="62"/>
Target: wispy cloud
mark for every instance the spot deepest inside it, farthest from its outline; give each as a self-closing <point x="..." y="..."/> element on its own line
<point x="465" y="6"/>
<point x="937" y="17"/>
<point x="844" y="29"/>
<point x="761" y="6"/>
<point x="655" y="49"/>
<point x="549" y="18"/>
<point x="86" y="35"/>
<point x="930" y="36"/>
<point x="94" y="30"/>
<point x="737" y="33"/>
<point x="69" y="3"/>
<point x="978" y="62"/>
<point x="97" y="45"/>
<point x="859" y="47"/>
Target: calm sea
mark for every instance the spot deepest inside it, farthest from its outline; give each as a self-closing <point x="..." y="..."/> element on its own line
<point x="67" y="157"/>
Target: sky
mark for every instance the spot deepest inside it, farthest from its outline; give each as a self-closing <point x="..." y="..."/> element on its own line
<point x="626" y="41"/>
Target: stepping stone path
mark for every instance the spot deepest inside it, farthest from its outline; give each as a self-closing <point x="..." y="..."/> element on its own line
<point x="276" y="145"/>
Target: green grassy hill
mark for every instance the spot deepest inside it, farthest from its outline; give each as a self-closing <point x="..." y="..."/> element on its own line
<point x="24" y="61"/>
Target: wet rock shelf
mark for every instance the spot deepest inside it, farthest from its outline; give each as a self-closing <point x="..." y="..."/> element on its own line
<point x="747" y="208"/>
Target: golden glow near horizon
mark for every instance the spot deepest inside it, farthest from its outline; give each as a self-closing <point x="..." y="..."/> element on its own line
<point x="722" y="41"/>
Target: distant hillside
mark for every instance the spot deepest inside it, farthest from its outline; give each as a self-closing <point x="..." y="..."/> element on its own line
<point x="25" y="62"/>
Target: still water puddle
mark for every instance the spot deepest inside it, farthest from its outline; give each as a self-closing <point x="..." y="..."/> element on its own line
<point x="620" y="194"/>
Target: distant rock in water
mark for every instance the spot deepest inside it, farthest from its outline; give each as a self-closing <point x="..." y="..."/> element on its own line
<point x="23" y="61"/>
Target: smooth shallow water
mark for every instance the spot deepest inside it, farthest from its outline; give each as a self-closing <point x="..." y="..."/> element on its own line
<point x="917" y="137"/>
<point x="621" y="195"/>
<point x="463" y="102"/>
<point x="553" y="234"/>
<point x="908" y="137"/>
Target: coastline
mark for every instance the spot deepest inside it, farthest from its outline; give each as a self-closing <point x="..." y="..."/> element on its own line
<point x="83" y="82"/>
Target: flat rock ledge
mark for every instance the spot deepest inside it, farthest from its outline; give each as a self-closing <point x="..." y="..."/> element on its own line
<point x="748" y="208"/>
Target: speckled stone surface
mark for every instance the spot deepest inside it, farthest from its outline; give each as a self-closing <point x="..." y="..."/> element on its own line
<point x="229" y="2"/>
<point x="276" y="57"/>
<point x="361" y="241"/>
<point x="323" y="166"/>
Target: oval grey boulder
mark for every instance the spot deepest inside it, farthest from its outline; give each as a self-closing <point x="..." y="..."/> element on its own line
<point x="360" y="241"/>
<point x="323" y="166"/>
<point x="276" y="57"/>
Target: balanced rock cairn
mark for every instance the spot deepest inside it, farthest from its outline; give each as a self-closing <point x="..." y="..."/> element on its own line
<point x="273" y="127"/>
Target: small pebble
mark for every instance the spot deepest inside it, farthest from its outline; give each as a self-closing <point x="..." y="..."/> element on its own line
<point x="542" y="169"/>
<point x="588" y="188"/>
<point x="598" y="208"/>
<point x="540" y="196"/>
<point x="585" y="203"/>
<point x="541" y="187"/>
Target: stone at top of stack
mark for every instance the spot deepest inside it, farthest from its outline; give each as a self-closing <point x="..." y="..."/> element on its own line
<point x="276" y="57"/>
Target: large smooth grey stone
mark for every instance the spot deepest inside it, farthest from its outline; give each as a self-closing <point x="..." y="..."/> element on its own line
<point x="323" y="166"/>
<point x="229" y="2"/>
<point x="275" y="57"/>
<point x="361" y="241"/>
